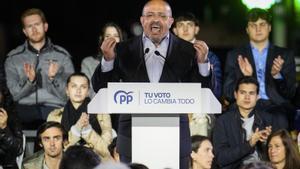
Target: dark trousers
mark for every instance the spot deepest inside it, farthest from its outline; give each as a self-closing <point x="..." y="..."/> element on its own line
<point x="32" y="116"/>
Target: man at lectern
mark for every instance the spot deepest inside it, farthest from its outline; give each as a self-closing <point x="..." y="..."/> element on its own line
<point x="155" y="56"/>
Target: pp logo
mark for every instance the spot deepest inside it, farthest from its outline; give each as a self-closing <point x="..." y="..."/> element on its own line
<point x="123" y="97"/>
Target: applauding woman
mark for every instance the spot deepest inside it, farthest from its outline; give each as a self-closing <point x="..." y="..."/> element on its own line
<point x="84" y="129"/>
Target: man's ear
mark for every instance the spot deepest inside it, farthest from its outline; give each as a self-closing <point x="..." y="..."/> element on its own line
<point x="247" y="30"/>
<point x="175" y="31"/>
<point x="65" y="143"/>
<point x="235" y="94"/>
<point x="197" y="29"/>
<point x="193" y="154"/>
<point x="25" y="33"/>
<point x="46" y="26"/>
<point x="67" y="92"/>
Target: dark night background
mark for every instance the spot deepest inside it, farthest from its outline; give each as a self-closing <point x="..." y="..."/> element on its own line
<point x="75" y="25"/>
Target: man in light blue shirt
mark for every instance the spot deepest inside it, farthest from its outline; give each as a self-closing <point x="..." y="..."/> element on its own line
<point x="272" y="66"/>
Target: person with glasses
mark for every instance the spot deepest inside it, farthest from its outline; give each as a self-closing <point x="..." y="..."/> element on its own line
<point x="272" y="66"/>
<point x="51" y="137"/>
<point x="155" y="56"/>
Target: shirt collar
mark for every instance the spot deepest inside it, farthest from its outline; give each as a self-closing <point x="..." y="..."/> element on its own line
<point x="265" y="48"/>
<point x="162" y="47"/>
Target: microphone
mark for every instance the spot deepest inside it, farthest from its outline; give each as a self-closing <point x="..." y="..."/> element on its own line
<point x="169" y="66"/>
<point x="141" y="62"/>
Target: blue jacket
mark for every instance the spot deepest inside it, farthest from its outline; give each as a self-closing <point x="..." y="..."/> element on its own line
<point x="216" y="78"/>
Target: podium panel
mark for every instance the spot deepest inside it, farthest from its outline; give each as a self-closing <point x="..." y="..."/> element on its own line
<point x="155" y="109"/>
<point x="158" y="146"/>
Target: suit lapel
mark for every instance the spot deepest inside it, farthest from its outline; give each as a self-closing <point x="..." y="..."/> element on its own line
<point x="165" y="75"/>
<point x="138" y="48"/>
<point x="269" y="63"/>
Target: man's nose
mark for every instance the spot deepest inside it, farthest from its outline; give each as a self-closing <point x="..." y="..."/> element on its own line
<point x="185" y="28"/>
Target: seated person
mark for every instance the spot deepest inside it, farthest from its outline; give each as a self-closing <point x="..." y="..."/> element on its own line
<point x="51" y="137"/>
<point x="11" y="136"/>
<point x="91" y="130"/>
<point x="202" y="152"/>
<point x="240" y="132"/>
<point x="282" y="151"/>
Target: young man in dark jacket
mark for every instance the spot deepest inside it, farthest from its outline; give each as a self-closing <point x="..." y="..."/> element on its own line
<point x="239" y="134"/>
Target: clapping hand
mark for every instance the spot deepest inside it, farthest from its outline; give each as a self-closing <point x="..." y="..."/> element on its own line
<point x="277" y="66"/>
<point x="29" y="71"/>
<point x="3" y="118"/>
<point x="260" y="135"/>
<point x="53" y="69"/>
<point x="83" y="121"/>
<point x="245" y="66"/>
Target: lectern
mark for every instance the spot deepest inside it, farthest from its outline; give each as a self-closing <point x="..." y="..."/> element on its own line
<point x="155" y="109"/>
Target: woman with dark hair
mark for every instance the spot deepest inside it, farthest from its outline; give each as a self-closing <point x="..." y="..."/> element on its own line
<point x="202" y="152"/>
<point x="282" y="150"/>
<point x="89" y="64"/>
<point x="11" y="136"/>
<point x="91" y="130"/>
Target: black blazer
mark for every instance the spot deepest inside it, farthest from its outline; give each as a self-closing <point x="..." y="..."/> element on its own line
<point x="129" y="66"/>
<point x="278" y="91"/>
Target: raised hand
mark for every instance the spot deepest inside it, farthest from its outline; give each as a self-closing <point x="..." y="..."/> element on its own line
<point x="264" y="134"/>
<point x="107" y="48"/>
<point x="83" y="121"/>
<point x="254" y="138"/>
<point x="53" y="69"/>
<point x="29" y="71"/>
<point x="260" y="135"/>
<point x="277" y="66"/>
<point x="201" y="51"/>
<point x="245" y="66"/>
<point x="3" y="118"/>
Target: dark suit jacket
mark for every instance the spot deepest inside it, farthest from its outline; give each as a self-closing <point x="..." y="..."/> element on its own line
<point x="278" y="91"/>
<point x="129" y="66"/>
